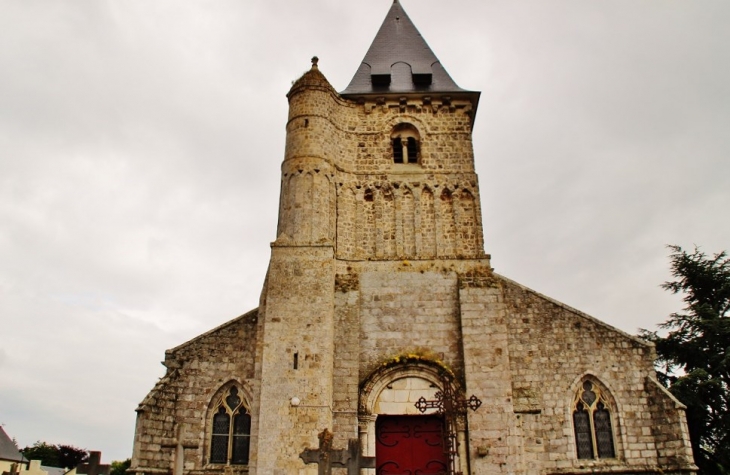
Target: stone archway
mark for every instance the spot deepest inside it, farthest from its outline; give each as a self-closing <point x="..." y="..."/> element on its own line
<point x="392" y="391"/>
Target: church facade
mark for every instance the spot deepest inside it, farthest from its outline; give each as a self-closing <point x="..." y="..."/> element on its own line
<point x="384" y="342"/>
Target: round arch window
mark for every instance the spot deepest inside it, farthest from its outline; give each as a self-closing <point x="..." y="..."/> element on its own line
<point x="406" y="144"/>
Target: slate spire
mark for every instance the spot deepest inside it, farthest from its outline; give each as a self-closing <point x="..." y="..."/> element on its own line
<point x="400" y="61"/>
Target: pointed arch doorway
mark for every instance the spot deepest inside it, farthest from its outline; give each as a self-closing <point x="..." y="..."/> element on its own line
<point x="406" y="445"/>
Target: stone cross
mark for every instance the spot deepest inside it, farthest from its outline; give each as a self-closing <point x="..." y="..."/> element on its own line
<point x="326" y="457"/>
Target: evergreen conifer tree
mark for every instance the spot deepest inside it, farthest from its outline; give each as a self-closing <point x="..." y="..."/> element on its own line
<point x="694" y="356"/>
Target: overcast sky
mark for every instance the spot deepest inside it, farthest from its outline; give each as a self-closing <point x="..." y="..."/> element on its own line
<point x="140" y="146"/>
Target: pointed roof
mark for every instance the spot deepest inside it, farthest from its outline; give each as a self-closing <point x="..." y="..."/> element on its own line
<point x="8" y="450"/>
<point x="400" y="61"/>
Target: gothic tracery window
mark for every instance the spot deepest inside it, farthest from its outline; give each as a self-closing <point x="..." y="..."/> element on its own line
<point x="230" y="431"/>
<point x="592" y="423"/>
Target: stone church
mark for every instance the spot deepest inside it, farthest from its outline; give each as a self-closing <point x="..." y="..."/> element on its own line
<point x="384" y="342"/>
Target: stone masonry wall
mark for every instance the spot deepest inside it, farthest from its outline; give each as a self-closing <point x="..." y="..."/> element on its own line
<point x="669" y="427"/>
<point x="176" y="410"/>
<point x="298" y="319"/>
<point x="494" y="442"/>
<point x="307" y="202"/>
<point x="385" y="310"/>
<point x="408" y="217"/>
<point x="384" y="210"/>
<point x="552" y="347"/>
<point x="408" y="307"/>
<point x="347" y="357"/>
<point x="417" y="211"/>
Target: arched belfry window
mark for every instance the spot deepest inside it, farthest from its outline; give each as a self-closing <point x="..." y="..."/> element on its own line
<point x="592" y="423"/>
<point x="406" y="144"/>
<point x="230" y="430"/>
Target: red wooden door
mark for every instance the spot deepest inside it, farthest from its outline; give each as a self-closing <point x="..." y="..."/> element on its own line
<point x="409" y="445"/>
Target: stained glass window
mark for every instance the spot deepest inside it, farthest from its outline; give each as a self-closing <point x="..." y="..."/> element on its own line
<point x="241" y="436"/>
<point x="583" y="439"/>
<point x="604" y="434"/>
<point x="592" y="423"/>
<point x="231" y="431"/>
<point x="219" y="442"/>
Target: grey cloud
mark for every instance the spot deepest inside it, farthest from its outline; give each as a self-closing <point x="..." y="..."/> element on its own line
<point x="140" y="145"/>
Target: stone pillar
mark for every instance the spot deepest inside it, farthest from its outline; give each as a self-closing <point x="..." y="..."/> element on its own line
<point x="366" y="427"/>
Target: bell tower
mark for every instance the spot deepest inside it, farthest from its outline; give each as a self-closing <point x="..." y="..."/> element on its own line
<point x="412" y="193"/>
<point x="379" y="222"/>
